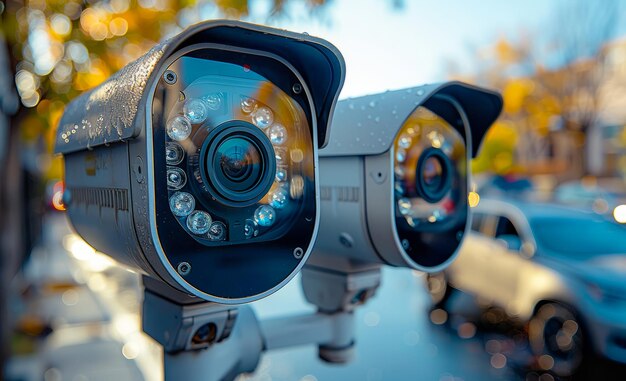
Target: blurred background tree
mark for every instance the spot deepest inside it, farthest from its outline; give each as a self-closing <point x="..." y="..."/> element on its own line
<point x="552" y="83"/>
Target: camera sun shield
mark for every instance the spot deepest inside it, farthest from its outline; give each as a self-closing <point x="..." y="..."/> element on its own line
<point x="405" y="156"/>
<point x="196" y="164"/>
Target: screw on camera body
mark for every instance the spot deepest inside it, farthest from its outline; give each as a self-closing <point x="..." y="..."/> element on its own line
<point x="298" y="252"/>
<point x="296" y="88"/>
<point x="184" y="268"/>
<point x="170" y="77"/>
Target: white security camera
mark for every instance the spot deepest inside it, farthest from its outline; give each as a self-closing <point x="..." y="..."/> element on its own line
<point x="197" y="164"/>
<point x="394" y="178"/>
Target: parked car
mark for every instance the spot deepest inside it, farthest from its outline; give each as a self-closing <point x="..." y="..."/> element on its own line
<point x="560" y="269"/>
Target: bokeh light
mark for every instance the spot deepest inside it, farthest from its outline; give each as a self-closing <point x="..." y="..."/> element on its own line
<point x="619" y="213"/>
<point x="473" y="199"/>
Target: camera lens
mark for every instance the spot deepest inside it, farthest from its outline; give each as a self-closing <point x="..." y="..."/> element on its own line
<point x="239" y="160"/>
<point x="433" y="175"/>
<point x="238" y="163"/>
<point x="432" y="172"/>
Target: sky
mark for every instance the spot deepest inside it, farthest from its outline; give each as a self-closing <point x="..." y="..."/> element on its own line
<point x="387" y="48"/>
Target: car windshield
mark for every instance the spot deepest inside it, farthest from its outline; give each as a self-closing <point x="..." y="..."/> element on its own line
<point x="579" y="238"/>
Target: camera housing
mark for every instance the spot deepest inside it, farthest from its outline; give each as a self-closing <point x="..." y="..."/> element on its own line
<point x="196" y="165"/>
<point x="394" y="178"/>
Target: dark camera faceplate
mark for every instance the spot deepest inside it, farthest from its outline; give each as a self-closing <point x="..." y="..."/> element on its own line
<point x="430" y="208"/>
<point x="237" y="267"/>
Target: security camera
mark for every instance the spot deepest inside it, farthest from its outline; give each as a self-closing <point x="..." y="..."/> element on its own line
<point x="196" y="164"/>
<point x="394" y="178"/>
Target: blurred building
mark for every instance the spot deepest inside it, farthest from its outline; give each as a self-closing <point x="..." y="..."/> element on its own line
<point x="586" y="135"/>
<point x="607" y="143"/>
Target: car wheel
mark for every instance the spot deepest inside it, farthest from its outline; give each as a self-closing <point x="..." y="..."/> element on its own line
<point x="556" y="338"/>
<point x="438" y="288"/>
